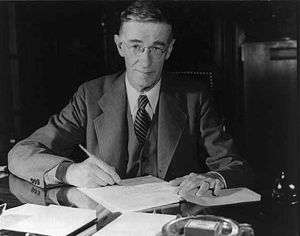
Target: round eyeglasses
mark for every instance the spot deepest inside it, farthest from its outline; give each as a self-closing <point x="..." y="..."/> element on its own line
<point x="138" y="50"/>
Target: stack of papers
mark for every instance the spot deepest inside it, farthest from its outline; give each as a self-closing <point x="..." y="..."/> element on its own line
<point x="134" y="198"/>
<point x="225" y="197"/>
<point x="140" y="180"/>
<point x="136" y="224"/>
<point x="46" y="220"/>
<point x="136" y="194"/>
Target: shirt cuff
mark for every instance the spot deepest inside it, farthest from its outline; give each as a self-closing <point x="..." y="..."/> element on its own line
<point x="61" y="171"/>
<point x="217" y="175"/>
<point x="50" y="179"/>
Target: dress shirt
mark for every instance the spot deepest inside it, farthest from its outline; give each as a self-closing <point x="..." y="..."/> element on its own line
<point x="133" y="95"/>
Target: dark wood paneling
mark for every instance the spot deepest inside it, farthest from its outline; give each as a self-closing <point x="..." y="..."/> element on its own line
<point x="5" y="86"/>
<point x="270" y="101"/>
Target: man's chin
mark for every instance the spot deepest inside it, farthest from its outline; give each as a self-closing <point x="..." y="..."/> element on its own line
<point x="145" y="85"/>
<point x="144" y="81"/>
<point x="145" y="78"/>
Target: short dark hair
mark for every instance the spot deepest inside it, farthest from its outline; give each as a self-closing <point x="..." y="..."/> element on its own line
<point x="146" y="11"/>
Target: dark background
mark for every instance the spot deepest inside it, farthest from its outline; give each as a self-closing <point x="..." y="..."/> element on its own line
<point x="47" y="49"/>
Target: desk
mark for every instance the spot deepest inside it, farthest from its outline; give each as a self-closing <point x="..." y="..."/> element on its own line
<point x="267" y="218"/>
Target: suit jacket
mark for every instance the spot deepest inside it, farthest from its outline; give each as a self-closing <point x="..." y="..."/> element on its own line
<point x="190" y="136"/>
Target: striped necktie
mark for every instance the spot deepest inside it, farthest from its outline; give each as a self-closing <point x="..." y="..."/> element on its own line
<point x="142" y="120"/>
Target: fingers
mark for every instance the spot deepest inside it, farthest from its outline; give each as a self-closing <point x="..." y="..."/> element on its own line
<point x="218" y="186"/>
<point x="197" y="184"/>
<point x="111" y="175"/>
<point x="88" y="174"/>
<point x="99" y="177"/>
<point x="204" y="187"/>
<point x="190" y="182"/>
<point x="177" y="181"/>
<point x="187" y="185"/>
<point x="92" y="181"/>
<point x="98" y="182"/>
<point x="102" y="175"/>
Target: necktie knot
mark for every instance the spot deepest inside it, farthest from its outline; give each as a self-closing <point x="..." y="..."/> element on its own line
<point x="142" y="101"/>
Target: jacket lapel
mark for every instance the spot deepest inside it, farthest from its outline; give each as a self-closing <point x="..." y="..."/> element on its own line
<point x="111" y="126"/>
<point x="112" y="131"/>
<point x="171" y="123"/>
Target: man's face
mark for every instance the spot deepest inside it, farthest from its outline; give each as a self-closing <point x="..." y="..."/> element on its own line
<point x="144" y="68"/>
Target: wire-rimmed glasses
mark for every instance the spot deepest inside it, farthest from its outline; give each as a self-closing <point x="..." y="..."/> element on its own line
<point x="138" y="50"/>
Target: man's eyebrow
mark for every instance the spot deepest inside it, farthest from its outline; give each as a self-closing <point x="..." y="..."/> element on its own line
<point x="135" y="41"/>
<point x="156" y="43"/>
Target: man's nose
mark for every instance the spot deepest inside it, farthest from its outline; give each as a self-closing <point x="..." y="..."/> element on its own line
<point x="145" y="57"/>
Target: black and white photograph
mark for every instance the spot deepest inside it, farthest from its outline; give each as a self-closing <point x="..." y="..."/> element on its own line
<point x="149" y="117"/>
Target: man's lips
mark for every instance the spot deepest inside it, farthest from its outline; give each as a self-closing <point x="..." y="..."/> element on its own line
<point x="145" y="72"/>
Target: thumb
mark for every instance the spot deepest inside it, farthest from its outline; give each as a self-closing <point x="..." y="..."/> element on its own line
<point x="108" y="169"/>
<point x="176" y="182"/>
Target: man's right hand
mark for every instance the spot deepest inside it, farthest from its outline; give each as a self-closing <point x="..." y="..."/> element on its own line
<point x="91" y="173"/>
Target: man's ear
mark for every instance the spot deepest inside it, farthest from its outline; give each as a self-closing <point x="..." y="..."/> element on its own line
<point x="170" y="48"/>
<point x="118" y="43"/>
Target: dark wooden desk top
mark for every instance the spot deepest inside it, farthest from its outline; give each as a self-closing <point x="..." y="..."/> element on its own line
<point x="266" y="217"/>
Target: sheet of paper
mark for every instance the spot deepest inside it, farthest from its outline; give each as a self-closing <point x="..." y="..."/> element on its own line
<point x="48" y="220"/>
<point x="136" y="224"/>
<point x="140" y="180"/>
<point x="133" y="198"/>
<point x="226" y="197"/>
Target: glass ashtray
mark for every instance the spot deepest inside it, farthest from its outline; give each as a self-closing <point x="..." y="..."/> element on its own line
<point x="226" y="227"/>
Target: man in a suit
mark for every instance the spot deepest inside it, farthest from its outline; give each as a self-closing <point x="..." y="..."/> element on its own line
<point x="135" y="123"/>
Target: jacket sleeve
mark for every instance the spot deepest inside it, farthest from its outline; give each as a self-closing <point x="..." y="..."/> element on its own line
<point x="222" y="154"/>
<point x="51" y="144"/>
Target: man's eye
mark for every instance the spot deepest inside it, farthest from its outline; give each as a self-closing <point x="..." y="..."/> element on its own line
<point x="135" y="46"/>
<point x="158" y="49"/>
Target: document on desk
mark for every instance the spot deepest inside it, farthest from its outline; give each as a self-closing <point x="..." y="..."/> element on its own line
<point x="136" y="224"/>
<point x="46" y="220"/>
<point x="225" y="197"/>
<point x="133" y="197"/>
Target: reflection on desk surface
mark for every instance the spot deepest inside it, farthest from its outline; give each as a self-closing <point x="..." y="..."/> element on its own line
<point x="266" y="217"/>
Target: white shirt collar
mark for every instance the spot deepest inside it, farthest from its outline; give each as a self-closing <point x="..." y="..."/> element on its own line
<point x="133" y="95"/>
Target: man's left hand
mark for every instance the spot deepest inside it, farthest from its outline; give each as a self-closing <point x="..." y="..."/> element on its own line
<point x="201" y="183"/>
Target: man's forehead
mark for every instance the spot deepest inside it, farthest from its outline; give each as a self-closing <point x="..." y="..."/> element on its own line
<point x="155" y="31"/>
